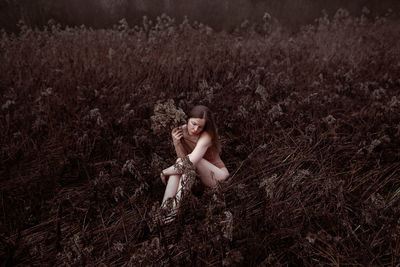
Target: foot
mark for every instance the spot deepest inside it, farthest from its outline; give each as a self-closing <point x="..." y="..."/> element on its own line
<point x="169" y="211"/>
<point x="169" y="218"/>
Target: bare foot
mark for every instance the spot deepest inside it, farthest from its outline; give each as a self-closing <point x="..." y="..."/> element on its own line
<point x="169" y="218"/>
<point x="169" y="211"/>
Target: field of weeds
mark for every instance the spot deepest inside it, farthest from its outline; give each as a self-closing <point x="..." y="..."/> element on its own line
<point x="309" y="124"/>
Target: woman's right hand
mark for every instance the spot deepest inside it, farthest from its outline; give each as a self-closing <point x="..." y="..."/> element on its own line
<point x="177" y="134"/>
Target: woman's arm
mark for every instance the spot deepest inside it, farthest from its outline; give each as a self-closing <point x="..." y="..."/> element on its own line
<point x="180" y="150"/>
<point x="197" y="154"/>
<point x="176" y="138"/>
<point x="200" y="149"/>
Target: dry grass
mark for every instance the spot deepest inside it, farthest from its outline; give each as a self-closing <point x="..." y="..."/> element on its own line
<point x="309" y="124"/>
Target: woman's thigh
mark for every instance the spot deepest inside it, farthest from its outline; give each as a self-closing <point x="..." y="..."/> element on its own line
<point x="209" y="173"/>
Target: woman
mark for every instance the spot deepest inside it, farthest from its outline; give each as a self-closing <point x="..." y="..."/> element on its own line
<point x="198" y="141"/>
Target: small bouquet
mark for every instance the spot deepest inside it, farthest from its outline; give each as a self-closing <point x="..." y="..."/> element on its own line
<point x="166" y="117"/>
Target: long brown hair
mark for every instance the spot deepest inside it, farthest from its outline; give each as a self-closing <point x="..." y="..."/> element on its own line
<point x="203" y="112"/>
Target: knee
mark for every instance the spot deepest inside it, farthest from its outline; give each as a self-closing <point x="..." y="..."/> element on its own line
<point x="225" y="176"/>
<point x="178" y="162"/>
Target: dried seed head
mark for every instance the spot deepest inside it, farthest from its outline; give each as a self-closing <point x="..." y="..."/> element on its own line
<point x="275" y="112"/>
<point x="166" y="117"/>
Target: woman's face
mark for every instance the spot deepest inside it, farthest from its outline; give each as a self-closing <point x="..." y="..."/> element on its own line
<point x="196" y="126"/>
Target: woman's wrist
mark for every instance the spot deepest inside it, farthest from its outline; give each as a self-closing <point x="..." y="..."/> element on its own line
<point x="177" y="141"/>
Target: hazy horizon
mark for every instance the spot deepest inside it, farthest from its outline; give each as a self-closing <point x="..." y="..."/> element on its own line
<point x="217" y="14"/>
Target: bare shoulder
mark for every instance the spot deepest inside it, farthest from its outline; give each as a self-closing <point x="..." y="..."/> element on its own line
<point x="205" y="138"/>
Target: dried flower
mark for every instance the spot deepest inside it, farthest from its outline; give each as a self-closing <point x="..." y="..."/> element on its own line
<point x="95" y="115"/>
<point x="242" y="112"/>
<point x="166" y="117"/>
<point x="227" y="225"/>
<point x="47" y="92"/>
<point x="17" y="135"/>
<point x="245" y="24"/>
<point x="311" y="238"/>
<point x="7" y="104"/>
<point x="102" y="179"/>
<point x="329" y="119"/>
<point x="378" y="200"/>
<point x="147" y="252"/>
<point x="233" y="257"/>
<point x="118" y="246"/>
<point x="240" y="190"/>
<point x="206" y="91"/>
<point x="300" y="176"/>
<point x="373" y="145"/>
<point x="126" y="106"/>
<point x="275" y="112"/>
<point x="110" y="54"/>
<point x="118" y="193"/>
<point x="82" y="141"/>
<point x="393" y="104"/>
<point x="140" y="190"/>
<point x="266" y="16"/>
<point x="310" y="129"/>
<point x="365" y="10"/>
<point x="262" y="92"/>
<point x="378" y="94"/>
<point x="39" y="123"/>
<point x="268" y="183"/>
<point x="129" y="166"/>
<point x="385" y="139"/>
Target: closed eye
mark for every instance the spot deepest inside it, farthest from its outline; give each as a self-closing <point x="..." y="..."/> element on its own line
<point x="194" y="124"/>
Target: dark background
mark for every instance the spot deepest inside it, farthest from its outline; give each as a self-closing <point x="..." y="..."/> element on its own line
<point x="221" y="14"/>
<point x="309" y="121"/>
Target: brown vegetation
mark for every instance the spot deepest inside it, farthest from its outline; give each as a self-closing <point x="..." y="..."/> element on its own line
<point x="221" y="14"/>
<point x="309" y="122"/>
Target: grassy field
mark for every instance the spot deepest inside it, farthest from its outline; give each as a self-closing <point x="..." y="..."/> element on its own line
<point x="222" y="14"/>
<point x="309" y="124"/>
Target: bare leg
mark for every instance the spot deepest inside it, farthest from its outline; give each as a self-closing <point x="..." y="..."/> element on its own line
<point x="172" y="187"/>
<point x="171" y="169"/>
<point x="180" y="188"/>
<point x="210" y="174"/>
